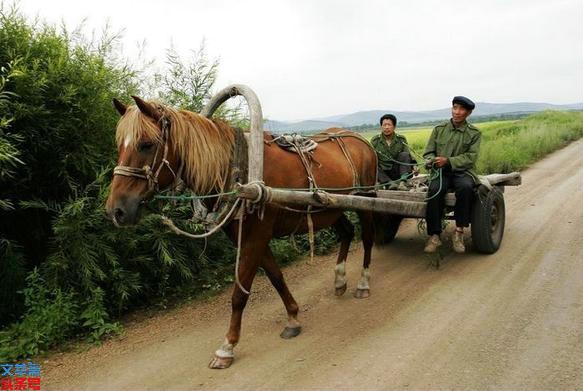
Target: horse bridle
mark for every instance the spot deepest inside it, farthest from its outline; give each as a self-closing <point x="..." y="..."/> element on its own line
<point x="147" y="172"/>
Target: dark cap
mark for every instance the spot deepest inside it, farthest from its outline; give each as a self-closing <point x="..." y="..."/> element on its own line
<point x="465" y="102"/>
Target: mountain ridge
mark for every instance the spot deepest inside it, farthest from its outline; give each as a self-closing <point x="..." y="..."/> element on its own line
<point x="411" y="117"/>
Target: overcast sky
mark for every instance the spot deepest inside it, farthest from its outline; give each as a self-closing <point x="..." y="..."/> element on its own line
<point x="309" y="59"/>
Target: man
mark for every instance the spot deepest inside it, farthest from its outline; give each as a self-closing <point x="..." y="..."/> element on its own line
<point x="453" y="148"/>
<point x="391" y="149"/>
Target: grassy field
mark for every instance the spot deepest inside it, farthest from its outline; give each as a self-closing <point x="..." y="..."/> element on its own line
<point x="512" y="145"/>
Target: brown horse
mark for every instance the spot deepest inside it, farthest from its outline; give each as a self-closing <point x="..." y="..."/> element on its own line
<point x="157" y="143"/>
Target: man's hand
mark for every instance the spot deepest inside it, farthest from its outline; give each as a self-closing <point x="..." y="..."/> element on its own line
<point x="440" y="161"/>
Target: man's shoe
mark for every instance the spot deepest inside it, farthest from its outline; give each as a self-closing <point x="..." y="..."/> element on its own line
<point x="458" y="242"/>
<point x="432" y="244"/>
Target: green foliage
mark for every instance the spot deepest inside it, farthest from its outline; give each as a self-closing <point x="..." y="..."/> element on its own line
<point x="513" y="146"/>
<point x="12" y="264"/>
<point x="9" y="154"/>
<point x="51" y="315"/>
<point x="285" y="250"/>
<point x="95" y="317"/>
<point x="131" y="265"/>
<point x="188" y="85"/>
<point x="58" y="122"/>
<point x="12" y="275"/>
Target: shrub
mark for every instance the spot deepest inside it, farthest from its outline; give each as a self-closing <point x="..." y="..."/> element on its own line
<point x="49" y="318"/>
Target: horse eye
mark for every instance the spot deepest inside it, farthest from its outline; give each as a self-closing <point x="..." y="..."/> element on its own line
<point x="145" y="146"/>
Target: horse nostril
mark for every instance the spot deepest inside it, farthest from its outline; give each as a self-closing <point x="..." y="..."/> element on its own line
<point x="118" y="214"/>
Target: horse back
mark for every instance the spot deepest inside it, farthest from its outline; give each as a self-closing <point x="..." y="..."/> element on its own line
<point x="328" y="164"/>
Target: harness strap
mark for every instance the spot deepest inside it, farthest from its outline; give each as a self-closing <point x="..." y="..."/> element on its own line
<point x="146" y="172"/>
<point x="355" y="176"/>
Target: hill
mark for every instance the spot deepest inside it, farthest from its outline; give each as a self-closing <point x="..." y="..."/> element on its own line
<point x="372" y="116"/>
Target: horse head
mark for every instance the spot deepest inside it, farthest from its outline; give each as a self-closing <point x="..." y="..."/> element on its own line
<point x="147" y="160"/>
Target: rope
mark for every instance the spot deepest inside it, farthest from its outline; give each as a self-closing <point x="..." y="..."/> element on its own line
<point x="239" y="235"/>
<point x="193" y="197"/>
<point x="168" y="222"/>
<point x="440" y="174"/>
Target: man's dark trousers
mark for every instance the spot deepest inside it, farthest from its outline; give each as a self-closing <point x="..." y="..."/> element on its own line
<point x="463" y="184"/>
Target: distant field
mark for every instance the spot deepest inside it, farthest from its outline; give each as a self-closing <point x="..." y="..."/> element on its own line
<point x="511" y="145"/>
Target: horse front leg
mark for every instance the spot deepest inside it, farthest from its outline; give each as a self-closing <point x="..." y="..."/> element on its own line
<point x="293" y="327"/>
<point x="251" y="254"/>
<point x="345" y="231"/>
<point x="366" y="222"/>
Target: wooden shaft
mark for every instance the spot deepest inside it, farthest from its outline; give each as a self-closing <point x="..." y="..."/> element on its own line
<point x="511" y="179"/>
<point x="333" y="201"/>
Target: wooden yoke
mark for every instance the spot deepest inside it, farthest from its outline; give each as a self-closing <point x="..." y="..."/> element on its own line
<point x="255" y="150"/>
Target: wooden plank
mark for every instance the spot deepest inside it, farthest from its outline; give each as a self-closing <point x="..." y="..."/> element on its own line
<point x="511" y="179"/>
<point x="414" y="196"/>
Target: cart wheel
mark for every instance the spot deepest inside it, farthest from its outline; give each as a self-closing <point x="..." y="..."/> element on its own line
<point x="488" y="219"/>
<point x="386" y="227"/>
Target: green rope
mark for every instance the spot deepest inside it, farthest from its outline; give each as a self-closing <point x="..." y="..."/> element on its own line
<point x="440" y="174"/>
<point x="193" y="197"/>
<point x="396" y="161"/>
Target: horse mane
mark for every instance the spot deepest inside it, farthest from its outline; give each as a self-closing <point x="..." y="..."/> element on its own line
<point x="203" y="145"/>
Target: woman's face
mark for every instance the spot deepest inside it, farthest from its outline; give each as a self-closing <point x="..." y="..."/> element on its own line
<point x="388" y="128"/>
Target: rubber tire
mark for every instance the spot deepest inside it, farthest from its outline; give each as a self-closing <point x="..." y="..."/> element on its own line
<point x="488" y="219"/>
<point x="387" y="228"/>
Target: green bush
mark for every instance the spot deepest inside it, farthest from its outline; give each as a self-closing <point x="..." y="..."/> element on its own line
<point x="95" y="317"/>
<point x="56" y="133"/>
<point x="50" y="316"/>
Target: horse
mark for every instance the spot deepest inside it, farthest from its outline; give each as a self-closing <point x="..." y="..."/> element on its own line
<point x="159" y="144"/>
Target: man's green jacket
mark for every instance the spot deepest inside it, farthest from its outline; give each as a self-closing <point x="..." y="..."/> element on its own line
<point x="387" y="153"/>
<point x="460" y="145"/>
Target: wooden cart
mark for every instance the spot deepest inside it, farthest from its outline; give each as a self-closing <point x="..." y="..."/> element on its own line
<point x="488" y="217"/>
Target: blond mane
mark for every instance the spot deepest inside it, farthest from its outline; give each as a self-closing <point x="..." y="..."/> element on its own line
<point x="203" y="145"/>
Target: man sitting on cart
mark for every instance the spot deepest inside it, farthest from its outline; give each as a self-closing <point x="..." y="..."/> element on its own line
<point x="452" y="151"/>
<point x="394" y="158"/>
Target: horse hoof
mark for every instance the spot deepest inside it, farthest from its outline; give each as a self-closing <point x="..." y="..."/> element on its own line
<point x="290" y="332"/>
<point x="362" y="293"/>
<point x="221" y="362"/>
<point x="340" y="291"/>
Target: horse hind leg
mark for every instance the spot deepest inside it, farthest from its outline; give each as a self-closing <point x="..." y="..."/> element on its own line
<point x="345" y="231"/>
<point x="366" y="222"/>
<point x="293" y="327"/>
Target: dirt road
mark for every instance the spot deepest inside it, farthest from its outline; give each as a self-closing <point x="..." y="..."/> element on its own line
<point x="512" y="320"/>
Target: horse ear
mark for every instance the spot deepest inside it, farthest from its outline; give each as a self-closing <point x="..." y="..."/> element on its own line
<point x="120" y="107"/>
<point x="147" y="108"/>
